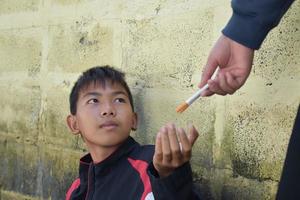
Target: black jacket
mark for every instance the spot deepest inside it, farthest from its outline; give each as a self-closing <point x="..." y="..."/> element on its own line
<point x="128" y="174"/>
<point x="252" y="20"/>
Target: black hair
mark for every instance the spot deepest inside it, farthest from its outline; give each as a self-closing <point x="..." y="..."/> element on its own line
<point x="97" y="75"/>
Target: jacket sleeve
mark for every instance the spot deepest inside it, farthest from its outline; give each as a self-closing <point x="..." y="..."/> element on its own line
<point x="252" y="20"/>
<point x="177" y="186"/>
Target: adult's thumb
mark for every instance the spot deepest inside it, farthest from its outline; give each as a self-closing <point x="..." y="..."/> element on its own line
<point x="208" y="70"/>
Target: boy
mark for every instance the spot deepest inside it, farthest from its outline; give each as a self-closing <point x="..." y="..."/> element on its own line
<point x="117" y="167"/>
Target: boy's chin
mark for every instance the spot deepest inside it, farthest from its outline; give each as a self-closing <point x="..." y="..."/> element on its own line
<point x="112" y="142"/>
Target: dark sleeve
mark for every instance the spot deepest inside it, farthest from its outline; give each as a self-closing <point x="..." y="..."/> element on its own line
<point x="177" y="186"/>
<point x="252" y="20"/>
<point x="289" y="182"/>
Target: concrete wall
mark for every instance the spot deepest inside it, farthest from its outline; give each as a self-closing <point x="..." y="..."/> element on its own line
<point x="162" y="45"/>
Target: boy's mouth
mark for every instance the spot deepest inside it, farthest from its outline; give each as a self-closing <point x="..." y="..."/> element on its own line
<point x="109" y="125"/>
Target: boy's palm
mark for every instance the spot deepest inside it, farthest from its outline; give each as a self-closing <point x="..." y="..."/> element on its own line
<point x="173" y="148"/>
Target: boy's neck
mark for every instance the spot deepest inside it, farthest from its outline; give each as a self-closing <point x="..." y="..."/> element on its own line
<point x="101" y="153"/>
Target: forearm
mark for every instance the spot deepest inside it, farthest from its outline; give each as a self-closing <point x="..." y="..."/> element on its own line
<point x="251" y="21"/>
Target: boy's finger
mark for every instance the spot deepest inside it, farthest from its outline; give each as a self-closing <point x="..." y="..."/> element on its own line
<point x="193" y="134"/>
<point x="185" y="144"/>
<point x="174" y="144"/>
<point x="158" y="149"/>
<point x="166" y="151"/>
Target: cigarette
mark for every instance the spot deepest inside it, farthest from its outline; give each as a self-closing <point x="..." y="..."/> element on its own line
<point x="183" y="106"/>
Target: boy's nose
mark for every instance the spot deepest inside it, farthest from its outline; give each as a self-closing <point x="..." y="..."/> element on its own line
<point x="108" y="110"/>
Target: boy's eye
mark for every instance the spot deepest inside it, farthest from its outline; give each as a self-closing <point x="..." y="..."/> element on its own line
<point x="120" y="100"/>
<point x="92" y="101"/>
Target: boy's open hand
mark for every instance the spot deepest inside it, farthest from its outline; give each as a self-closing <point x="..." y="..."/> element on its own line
<point x="173" y="148"/>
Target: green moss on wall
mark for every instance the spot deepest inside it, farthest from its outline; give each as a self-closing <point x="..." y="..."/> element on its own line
<point x="8" y="195"/>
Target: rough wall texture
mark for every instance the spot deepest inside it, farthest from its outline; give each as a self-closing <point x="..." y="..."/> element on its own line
<point x="162" y="46"/>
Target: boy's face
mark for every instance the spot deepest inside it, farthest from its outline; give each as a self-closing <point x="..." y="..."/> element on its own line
<point x="104" y="115"/>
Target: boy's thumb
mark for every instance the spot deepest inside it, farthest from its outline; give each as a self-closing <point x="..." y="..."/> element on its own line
<point x="193" y="134"/>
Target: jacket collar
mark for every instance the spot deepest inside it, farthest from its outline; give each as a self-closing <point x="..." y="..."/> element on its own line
<point x="103" y="167"/>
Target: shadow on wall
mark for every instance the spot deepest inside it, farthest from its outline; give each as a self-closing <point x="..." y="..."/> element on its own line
<point x="33" y="173"/>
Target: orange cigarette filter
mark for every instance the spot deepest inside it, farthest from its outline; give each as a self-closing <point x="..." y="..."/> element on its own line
<point x="182" y="107"/>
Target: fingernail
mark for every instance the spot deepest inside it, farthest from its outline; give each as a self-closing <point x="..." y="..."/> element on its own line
<point x="158" y="135"/>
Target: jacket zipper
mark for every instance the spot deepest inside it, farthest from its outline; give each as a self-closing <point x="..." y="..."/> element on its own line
<point x="88" y="188"/>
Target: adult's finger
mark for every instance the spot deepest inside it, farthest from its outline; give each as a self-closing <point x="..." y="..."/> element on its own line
<point x="224" y="84"/>
<point x="240" y="75"/>
<point x="208" y="71"/>
<point x="233" y="83"/>
<point x="214" y="87"/>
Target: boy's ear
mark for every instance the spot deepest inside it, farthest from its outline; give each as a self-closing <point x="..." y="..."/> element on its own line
<point x="72" y="124"/>
<point x="134" y="122"/>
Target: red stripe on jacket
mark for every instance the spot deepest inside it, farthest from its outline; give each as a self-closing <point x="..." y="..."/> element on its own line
<point x="73" y="187"/>
<point x="141" y="167"/>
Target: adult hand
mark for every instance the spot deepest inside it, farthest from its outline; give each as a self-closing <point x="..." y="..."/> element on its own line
<point x="235" y="63"/>
<point x="173" y="148"/>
